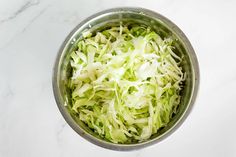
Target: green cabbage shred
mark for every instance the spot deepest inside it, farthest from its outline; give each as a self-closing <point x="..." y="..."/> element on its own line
<point x="125" y="83"/>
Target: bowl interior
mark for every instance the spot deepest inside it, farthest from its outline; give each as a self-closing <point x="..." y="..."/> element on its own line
<point x="113" y="18"/>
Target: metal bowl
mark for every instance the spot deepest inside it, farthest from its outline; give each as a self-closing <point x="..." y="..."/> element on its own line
<point x="101" y="20"/>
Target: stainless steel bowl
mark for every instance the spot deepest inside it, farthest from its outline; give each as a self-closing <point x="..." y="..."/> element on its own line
<point x="101" y="20"/>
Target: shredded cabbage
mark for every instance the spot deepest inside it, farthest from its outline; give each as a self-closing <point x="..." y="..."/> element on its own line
<point x="125" y="82"/>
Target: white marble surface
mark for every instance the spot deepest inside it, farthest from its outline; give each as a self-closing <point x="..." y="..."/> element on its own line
<point x="31" y="32"/>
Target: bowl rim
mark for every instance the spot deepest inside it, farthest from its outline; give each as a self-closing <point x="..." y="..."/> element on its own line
<point x="127" y="147"/>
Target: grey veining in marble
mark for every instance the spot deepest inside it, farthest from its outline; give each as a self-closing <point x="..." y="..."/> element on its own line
<point x="24" y="7"/>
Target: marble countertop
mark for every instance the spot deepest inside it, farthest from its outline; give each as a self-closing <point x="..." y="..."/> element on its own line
<point x="31" y="32"/>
